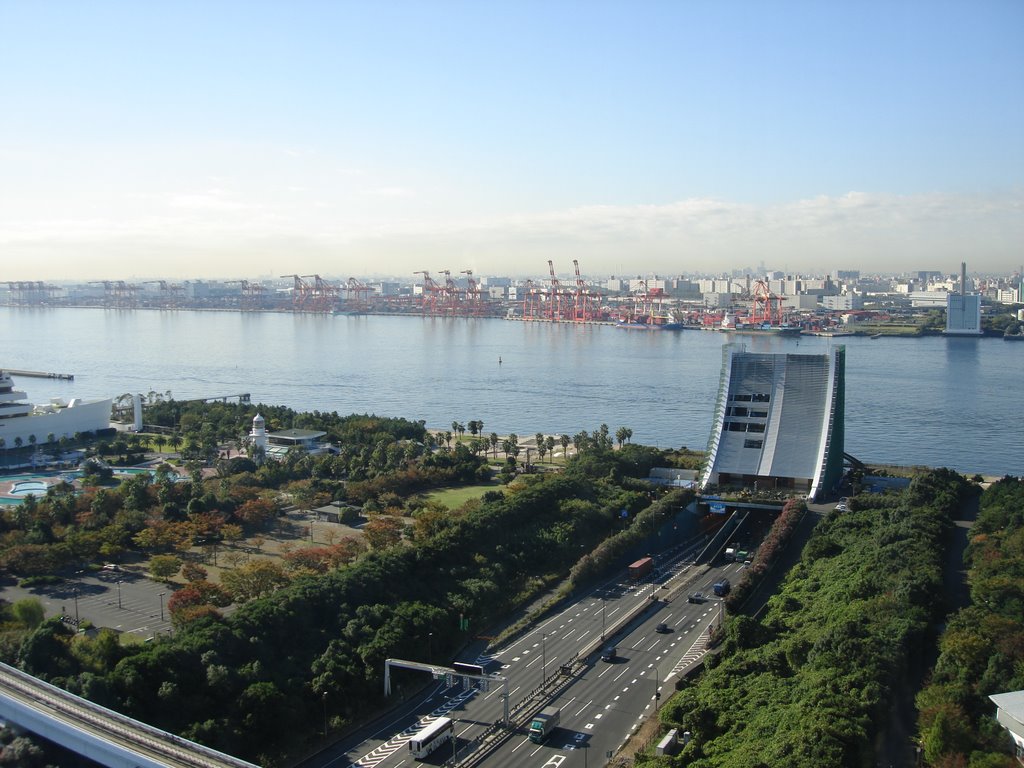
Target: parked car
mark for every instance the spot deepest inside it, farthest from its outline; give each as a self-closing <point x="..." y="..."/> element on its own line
<point x="841" y="508"/>
<point x="111" y="567"/>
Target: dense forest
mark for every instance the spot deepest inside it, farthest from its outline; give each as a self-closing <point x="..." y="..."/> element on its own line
<point x="811" y="682"/>
<point x="982" y="649"/>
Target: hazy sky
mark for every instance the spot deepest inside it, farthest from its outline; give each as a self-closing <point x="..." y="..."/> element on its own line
<point x="217" y="139"/>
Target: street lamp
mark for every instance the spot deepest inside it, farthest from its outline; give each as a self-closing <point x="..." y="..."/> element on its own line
<point x="657" y="693"/>
<point x="543" y="657"/>
<point x="162" y="605"/>
<point x="76" y="605"/>
<point x="325" y="714"/>
<point x="602" y="615"/>
<point x="118" y="593"/>
<point x="430" y="646"/>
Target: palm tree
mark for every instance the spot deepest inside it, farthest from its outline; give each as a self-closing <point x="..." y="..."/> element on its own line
<point x="175" y="441"/>
<point x="493" y="439"/>
<point x="51" y="438"/>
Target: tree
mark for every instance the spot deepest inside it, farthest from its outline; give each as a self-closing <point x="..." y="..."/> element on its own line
<point x="564" y="440"/>
<point x="29" y="612"/>
<point x="253" y="580"/>
<point x="164" y="567"/>
<point x="549" y="443"/>
<point x="493" y="438"/>
<point x="623" y="434"/>
<point x="383" y="532"/>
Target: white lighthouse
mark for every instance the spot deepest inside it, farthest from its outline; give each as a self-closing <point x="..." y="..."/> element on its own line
<point x="258" y="436"/>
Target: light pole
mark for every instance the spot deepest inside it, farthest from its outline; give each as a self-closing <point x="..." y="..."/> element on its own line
<point x="430" y="646"/>
<point x="118" y="593"/>
<point x="543" y="657"/>
<point x="76" y="605"/>
<point x="602" y="615"/>
<point x="325" y="714"/>
<point x="162" y="605"/>
<point x="657" y="693"/>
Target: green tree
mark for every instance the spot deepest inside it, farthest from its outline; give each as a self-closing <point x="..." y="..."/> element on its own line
<point x="493" y="438"/>
<point x="164" y="567"/>
<point x="253" y="580"/>
<point x="29" y="612"/>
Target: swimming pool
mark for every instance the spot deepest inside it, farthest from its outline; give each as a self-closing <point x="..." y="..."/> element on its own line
<point x="25" y="487"/>
<point x="36" y="484"/>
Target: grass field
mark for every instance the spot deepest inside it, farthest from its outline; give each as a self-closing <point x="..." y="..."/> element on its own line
<point x="456" y="497"/>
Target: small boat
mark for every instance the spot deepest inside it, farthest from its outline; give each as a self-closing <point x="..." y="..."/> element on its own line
<point x="877" y="336"/>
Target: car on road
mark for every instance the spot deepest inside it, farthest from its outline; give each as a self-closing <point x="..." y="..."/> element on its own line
<point x="662" y="629"/>
<point x="611" y="653"/>
<point x="696" y="597"/>
<point x="111" y="567"/>
<point x="841" y="508"/>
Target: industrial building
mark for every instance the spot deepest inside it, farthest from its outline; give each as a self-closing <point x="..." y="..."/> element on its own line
<point x="778" y="422"/>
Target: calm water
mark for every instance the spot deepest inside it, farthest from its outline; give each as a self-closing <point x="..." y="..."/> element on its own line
<point x="934" y="401"/>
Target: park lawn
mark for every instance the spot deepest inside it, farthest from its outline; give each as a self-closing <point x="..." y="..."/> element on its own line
<point x="453" y="498"/>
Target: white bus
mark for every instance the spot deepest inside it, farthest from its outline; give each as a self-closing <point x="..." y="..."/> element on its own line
<point x="431" y="736"/>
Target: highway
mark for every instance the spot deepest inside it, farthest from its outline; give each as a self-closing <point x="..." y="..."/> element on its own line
<point x="602" y="703"/>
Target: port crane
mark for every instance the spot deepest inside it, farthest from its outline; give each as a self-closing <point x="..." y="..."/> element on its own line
<point x="583" y="303"/>
<point x="555" y="310"/>
<point x="170" y="293"/>
<point x="117" y="293"/>
<point x="322" y="296"/>
<point x="767" y="308"/>
<point x="431" y="292"/>
<point x="251" y="295"/>
<point x="357" y="297"/>
<point x="531" y="301"/>
<point x="474" y="294"/>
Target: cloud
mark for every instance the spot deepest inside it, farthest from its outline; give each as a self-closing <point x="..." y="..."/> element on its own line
<point x="869" y="231"/>
<point x="389" y="192"/>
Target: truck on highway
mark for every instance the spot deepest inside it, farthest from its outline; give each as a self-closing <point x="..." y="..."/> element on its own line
<point x="543" y="723"/>
<point x="641" y="568"/>
<point x="730" y="553"/>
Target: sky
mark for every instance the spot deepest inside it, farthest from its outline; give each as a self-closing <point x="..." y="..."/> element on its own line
<point x="188" y="140"/>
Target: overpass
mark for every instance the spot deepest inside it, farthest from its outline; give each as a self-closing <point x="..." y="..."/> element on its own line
<point x="98" y="733"/>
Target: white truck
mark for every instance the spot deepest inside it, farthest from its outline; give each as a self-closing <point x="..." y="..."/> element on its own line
<point x="543" y="723"/>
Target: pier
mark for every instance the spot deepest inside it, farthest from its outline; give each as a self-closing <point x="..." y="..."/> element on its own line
<point x="41" y="374"/>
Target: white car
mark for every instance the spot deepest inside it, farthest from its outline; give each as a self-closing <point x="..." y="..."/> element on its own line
<point x="841" y="508"/>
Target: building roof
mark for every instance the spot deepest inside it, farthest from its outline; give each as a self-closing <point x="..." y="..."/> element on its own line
<point x="297" y="434"/>
<point x="1012" y="703"/>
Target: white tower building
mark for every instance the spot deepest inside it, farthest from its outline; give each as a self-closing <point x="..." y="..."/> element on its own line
<point x="258" y="436"/>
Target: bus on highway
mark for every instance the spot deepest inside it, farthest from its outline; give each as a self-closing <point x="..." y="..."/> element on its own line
<point x="431" y="736"/>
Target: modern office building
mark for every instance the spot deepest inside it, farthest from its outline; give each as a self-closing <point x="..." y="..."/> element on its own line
<point x="963" y="309"/>
<point x="778" y="422"/>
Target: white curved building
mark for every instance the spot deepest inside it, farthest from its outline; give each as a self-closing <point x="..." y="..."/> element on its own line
<point x="20" y="419"/>
<point x="779" y="421"/>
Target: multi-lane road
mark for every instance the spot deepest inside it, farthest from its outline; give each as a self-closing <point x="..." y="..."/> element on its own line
<point x="602" y="702"/>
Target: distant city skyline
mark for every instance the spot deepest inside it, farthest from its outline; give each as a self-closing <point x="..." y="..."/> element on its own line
<point x="193" y="140"/>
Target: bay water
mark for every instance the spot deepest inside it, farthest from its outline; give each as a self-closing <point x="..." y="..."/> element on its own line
<point x="930" y="401"/>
